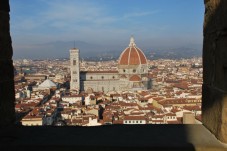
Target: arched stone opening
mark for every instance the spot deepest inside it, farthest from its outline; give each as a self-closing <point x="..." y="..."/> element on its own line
<point x="215" y="68"/>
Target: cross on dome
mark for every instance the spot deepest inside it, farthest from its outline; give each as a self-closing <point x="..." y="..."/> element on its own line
<point x="132" y="42"/>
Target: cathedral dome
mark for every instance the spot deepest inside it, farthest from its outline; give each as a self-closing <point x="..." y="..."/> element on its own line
<point x="132" y="55"/>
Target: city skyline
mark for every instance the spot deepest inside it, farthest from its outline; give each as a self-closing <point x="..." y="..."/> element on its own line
<point x="42" y="29"/>
<point x="44" y="95"/>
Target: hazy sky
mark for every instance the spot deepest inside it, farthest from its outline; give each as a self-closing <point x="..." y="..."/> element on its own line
<point x="154" y="23"/>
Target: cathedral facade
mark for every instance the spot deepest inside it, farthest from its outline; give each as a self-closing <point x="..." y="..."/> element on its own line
<point x="132" y="73"/>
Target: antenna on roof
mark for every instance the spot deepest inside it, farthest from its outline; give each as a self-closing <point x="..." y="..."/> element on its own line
<point x="74" y="44"/>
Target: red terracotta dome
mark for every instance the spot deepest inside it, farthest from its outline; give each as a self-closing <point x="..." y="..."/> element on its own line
<point x="132" y="55"/>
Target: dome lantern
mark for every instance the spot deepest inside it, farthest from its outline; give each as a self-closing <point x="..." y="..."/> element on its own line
<point x="132" y="42"/>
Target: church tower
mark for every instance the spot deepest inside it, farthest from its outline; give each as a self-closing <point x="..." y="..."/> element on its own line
<point x="75" y="70"/>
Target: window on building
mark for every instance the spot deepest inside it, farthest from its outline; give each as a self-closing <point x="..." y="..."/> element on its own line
<point x="114" y="88"/>
<point x="91" y="77"/>
<point x="124" y="70"/>
<point x="113" y="77"/>
<point x="134" y="70"/>
<point x="129" y="121"/>
<point x="140" y="121"/>
<point x="125" y="121"/>
<point x="136" y="121"/>
<point x="102" y="77"/>
<point x="74" y="72"/>
<point x="74" y="62"/>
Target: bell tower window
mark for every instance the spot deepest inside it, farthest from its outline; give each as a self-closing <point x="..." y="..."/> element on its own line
<point x="74" y="62"/>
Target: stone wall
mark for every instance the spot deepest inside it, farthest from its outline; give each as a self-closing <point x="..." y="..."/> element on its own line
<point x="7" y="97"/>
<point x="214" y="105"/>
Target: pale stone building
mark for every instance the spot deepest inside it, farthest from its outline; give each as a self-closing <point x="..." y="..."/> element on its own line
<point x="132" y="73"/>
<point x="75" y="70"/>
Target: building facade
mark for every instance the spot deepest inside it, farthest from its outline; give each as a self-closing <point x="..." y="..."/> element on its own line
<point x="75" y="70"/>
<point x="132" y="73"/>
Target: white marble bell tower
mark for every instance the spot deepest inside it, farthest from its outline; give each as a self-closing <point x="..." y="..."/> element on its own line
<point x="75" y="70"/>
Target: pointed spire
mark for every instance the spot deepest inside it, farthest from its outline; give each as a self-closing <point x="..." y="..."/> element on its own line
<point x="132" y="42"/>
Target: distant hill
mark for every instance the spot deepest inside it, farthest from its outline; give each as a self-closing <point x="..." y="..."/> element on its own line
<point x="56" y="49"/>
<point x="174" y="53"/>
<point x="60" y="49"/>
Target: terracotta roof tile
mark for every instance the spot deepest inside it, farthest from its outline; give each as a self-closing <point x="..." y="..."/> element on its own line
<point x="124" y="57"/>
<point x="135" y="118"/>
<point x="135" y="78"/>
<point x="132" y="56"/>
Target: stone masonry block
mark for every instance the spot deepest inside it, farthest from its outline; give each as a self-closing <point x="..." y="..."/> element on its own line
<point x="4" y="26"/>
<point x="214" y="111"/>
<point x="4" y="6"/>
<point x="7" y="111"/>
<point x="6" y="70"/>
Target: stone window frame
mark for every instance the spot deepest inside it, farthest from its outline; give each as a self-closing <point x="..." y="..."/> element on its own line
<point x="206" y="4"/>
